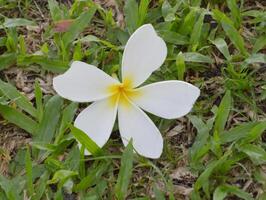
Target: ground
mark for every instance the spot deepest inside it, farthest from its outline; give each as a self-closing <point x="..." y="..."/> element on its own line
<point x="217" y="151"/>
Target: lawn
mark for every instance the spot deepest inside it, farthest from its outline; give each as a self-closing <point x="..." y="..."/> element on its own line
<point x="216" y="151"/>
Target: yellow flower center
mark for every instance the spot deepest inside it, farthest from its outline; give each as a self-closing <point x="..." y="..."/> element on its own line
<point x="122" y="93"/>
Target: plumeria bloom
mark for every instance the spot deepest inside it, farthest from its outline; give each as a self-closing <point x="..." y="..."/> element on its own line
<point x="144" y="53"/>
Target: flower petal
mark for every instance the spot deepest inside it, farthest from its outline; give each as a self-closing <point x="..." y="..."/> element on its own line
<point x="135" y="124"/>
<point x="97" y="121"/>
<point x="145" y="52"/>
<point x="167" y="99"/>
<point x="83" y="83"/>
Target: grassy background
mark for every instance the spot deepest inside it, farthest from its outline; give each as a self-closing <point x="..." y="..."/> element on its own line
<point x="216" y="152"/>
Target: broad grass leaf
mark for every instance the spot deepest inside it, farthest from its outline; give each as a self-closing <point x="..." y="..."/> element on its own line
<point x="142" y="11"/>
<point x="62" y="176"/>
<point x="196" y="32"/>
<point x="235" y="12"/>
<point x="49" y="64"/>
<point x="222" y="46"/>
<point x="28" y="167"/>
<point x="78" y="26"/>
<point x="223" y="112"/>
<point x="13" y="187"/>
<point x="10" y="23"/>
<point x="55" y="10"/>
<point x="41" y="186"/>
<point x="259" y="44"/>
<point x="188" y="23"/>
<point x="7" y="59"/>
<point x="49" y="124"/>
<point x="38" y="100"/>
<point x="254" y="133"/>
<point x="131" y="15"/>
<point x="93" y="177"/>
<point x="15" y="96"/>
<point x="197" y="57"/>
<point x="181" y="66"/>
<point x="256" y="153"/>
<point x="256" y="58"/>
<point x="87" y="142"/>
<point x="223" y="190"/>
<point x="237" y="133"/>
<point x="200" y="146"/>
<point x="125" y="172"/>
<point x="173" y="37"/>
<point x="67" y="117"/>
<point x="21" y="120"/>
<point x="203" y="180"/>
<point x="230" y="30"/>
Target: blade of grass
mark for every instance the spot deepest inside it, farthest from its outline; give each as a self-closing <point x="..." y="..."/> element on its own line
<point x="84" y="139"/>
<point x="28" y="167"/>
<point x="19" y="119"/>
<point x="14" y="95"/>
<point x="125" y="172"/>
<point x="223" y="112"/>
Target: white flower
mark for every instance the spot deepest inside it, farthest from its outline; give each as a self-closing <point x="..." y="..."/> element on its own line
<point x="144" y="53"/>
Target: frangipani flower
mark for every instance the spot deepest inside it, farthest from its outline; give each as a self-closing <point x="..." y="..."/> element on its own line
<point x="144" y="53"/>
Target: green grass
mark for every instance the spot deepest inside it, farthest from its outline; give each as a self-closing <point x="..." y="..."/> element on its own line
<point x="217" y="152"/>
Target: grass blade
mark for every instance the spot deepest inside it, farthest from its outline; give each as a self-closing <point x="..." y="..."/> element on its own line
<point x="19" y="119"/>
<point x="14" y="95"/>
<point x="223" y="112"/>
<point x="84" y="139"/>
<point x="125" y="172"/>
<point x="78" y="26"/>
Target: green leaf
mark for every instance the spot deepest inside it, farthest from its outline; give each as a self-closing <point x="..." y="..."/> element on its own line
<point x="259" y="44"/>
<point x="256" y="153"/>
<point x="235" y="12"/>
<point x="38" y="100"/>
<point x="173" y="37"/>
<point x="188" y="23"/>
<point x="131" y="15"/>
<point x="19" y="119"/>
<point x="87" y="142"/>
<point x="197" y="57"/>
<point x="93" y="176"/>
<point x="237" y="133"/>
<point x="222" y="46"/>
<point x="62" y="176"/>
<point x="55" y="10"/>
<point x="203" y="180"/>
<point x="78" y="26"/>
<point x="50" y="64"/>
<point x="196" y="32"/>
<point x="49" y="123"/>
<point x="7" y="59"/>
<point x="223" y="190"/>
<point x="9" y="23"/>
<point x="143" y="10"/>
<point x="200" y="146"/>
<point x="67" y="117"/>
<point x="254" y="133"/>
<point x="28" y="167"/>
<point x="256" y="58"/>
<point x="181" y="67"/>
<point x="125" y="172"/>
<point x="230" y="31"/>
<point x="15" y="96"/>
<point x="223" y="112"/>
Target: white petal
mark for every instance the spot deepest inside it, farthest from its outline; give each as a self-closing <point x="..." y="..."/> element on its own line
<point x="83" y="83"/>
<point x="145" y="52"/>
<point x="135" y="124"/>
<point x="97" y="121"/>
<point x="167" y="99"/>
